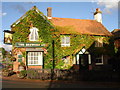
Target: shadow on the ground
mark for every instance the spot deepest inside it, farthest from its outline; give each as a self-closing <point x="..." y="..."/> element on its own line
<point x="83" y="76"/>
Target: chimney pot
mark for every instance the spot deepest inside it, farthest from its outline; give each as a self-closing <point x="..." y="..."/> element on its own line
<point x="97" y="9"/>
<point x="98" y="15"/>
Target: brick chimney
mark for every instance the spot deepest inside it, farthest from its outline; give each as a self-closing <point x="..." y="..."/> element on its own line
<point x="98" y="15"/>
<point x="49" y="13"/>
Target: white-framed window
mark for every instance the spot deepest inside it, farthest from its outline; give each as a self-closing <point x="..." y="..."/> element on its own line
<point x="35" y="58"/>
<point x="99" y="60"/>
<point x="65" y="41"/>
<point x="99" y="42"/>
<point x="33" y="36"/>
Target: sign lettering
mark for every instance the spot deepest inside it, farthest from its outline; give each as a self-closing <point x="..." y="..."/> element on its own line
<point x="29" y="45"/>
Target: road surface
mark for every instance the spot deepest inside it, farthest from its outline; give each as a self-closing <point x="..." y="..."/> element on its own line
<point x="58" y="84"/>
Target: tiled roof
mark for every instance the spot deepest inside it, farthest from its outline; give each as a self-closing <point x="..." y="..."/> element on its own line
<point x="116" y="33"/>
<point x="80" y="26"/>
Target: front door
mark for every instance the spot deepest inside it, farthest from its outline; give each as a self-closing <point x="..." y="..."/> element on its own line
<point x="83" y="61"/>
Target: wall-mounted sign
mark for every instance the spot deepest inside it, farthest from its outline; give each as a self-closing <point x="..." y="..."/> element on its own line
<point x="8" y="37"/>
<point x="22" y="44"/>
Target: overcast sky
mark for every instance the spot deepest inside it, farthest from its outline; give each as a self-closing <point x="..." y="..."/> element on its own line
<point x="11" y="11"/>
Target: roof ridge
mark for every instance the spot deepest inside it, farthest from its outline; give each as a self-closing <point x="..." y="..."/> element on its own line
<point x="74" y="18"/>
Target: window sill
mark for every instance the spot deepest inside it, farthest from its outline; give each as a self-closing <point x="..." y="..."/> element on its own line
<point x="34" y="65"/>
<point x="65" y="45"/>
<point x="99" y="64"/>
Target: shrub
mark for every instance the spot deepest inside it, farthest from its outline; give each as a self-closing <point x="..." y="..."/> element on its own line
<point x="6" y="72"/>
<point x="32" y="74"/>
<point x="22" y="74"/>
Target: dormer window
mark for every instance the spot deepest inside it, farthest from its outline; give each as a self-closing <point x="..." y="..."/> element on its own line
<point x="33" y="34"/>
<point x="65" y="41"/>
<point x="99" y="42"/>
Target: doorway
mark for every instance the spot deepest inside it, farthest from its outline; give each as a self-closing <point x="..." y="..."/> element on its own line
<point x="83" y="62"/>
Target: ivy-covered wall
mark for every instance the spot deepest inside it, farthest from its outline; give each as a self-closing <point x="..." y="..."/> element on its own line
<point x="22" y="31"/>
<point x="77" y="42"/>
<point x="48" y="33"/>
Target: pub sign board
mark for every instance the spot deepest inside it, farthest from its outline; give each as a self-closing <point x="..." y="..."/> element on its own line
<point x="8" y="36"/>
<point x="23" y="44"/>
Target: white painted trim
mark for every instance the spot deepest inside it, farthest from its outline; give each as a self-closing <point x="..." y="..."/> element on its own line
<point x="49" y="17"/>
<point x="37" y="11"/>
<point x="77" y="57"/>
<point x="89" y="59"/>
<point x="17" y="22"/>
<point x="82" y="52"/>
<point x="65" y="45"/>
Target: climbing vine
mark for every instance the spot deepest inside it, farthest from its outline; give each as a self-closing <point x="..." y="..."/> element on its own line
<point x="48" y="33"/>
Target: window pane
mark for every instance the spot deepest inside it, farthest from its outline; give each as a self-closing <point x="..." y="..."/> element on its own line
<point x="33" y="34"/>
<point x="36" y="35"/>
<point x="99" y="59"/>
<point x="35" y="54"/>
<point x="67" y="40"/>
<point x="99" y="42"/>
<point x="31" y="53"/>
<point x="62" y="40"/>
<point x="35" y="58"/>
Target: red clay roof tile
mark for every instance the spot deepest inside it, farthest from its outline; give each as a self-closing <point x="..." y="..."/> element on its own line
<point x="81" y="26"/>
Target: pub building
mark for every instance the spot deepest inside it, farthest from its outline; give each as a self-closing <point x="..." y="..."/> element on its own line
<point x="37" y="43"/>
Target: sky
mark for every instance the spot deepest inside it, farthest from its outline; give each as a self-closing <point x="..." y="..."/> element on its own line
<point x="12" y="11"/>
